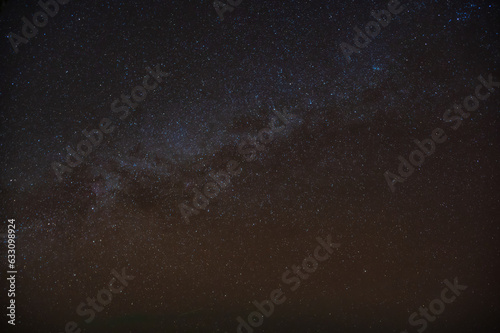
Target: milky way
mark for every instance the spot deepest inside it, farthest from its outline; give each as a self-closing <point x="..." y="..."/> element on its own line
<point x="321" y="175"/>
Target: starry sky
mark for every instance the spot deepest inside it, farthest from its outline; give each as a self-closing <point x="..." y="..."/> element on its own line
<point x="323" y="174"/>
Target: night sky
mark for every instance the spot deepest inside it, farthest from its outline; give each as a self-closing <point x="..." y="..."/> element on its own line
<point x="344" y="120"/>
